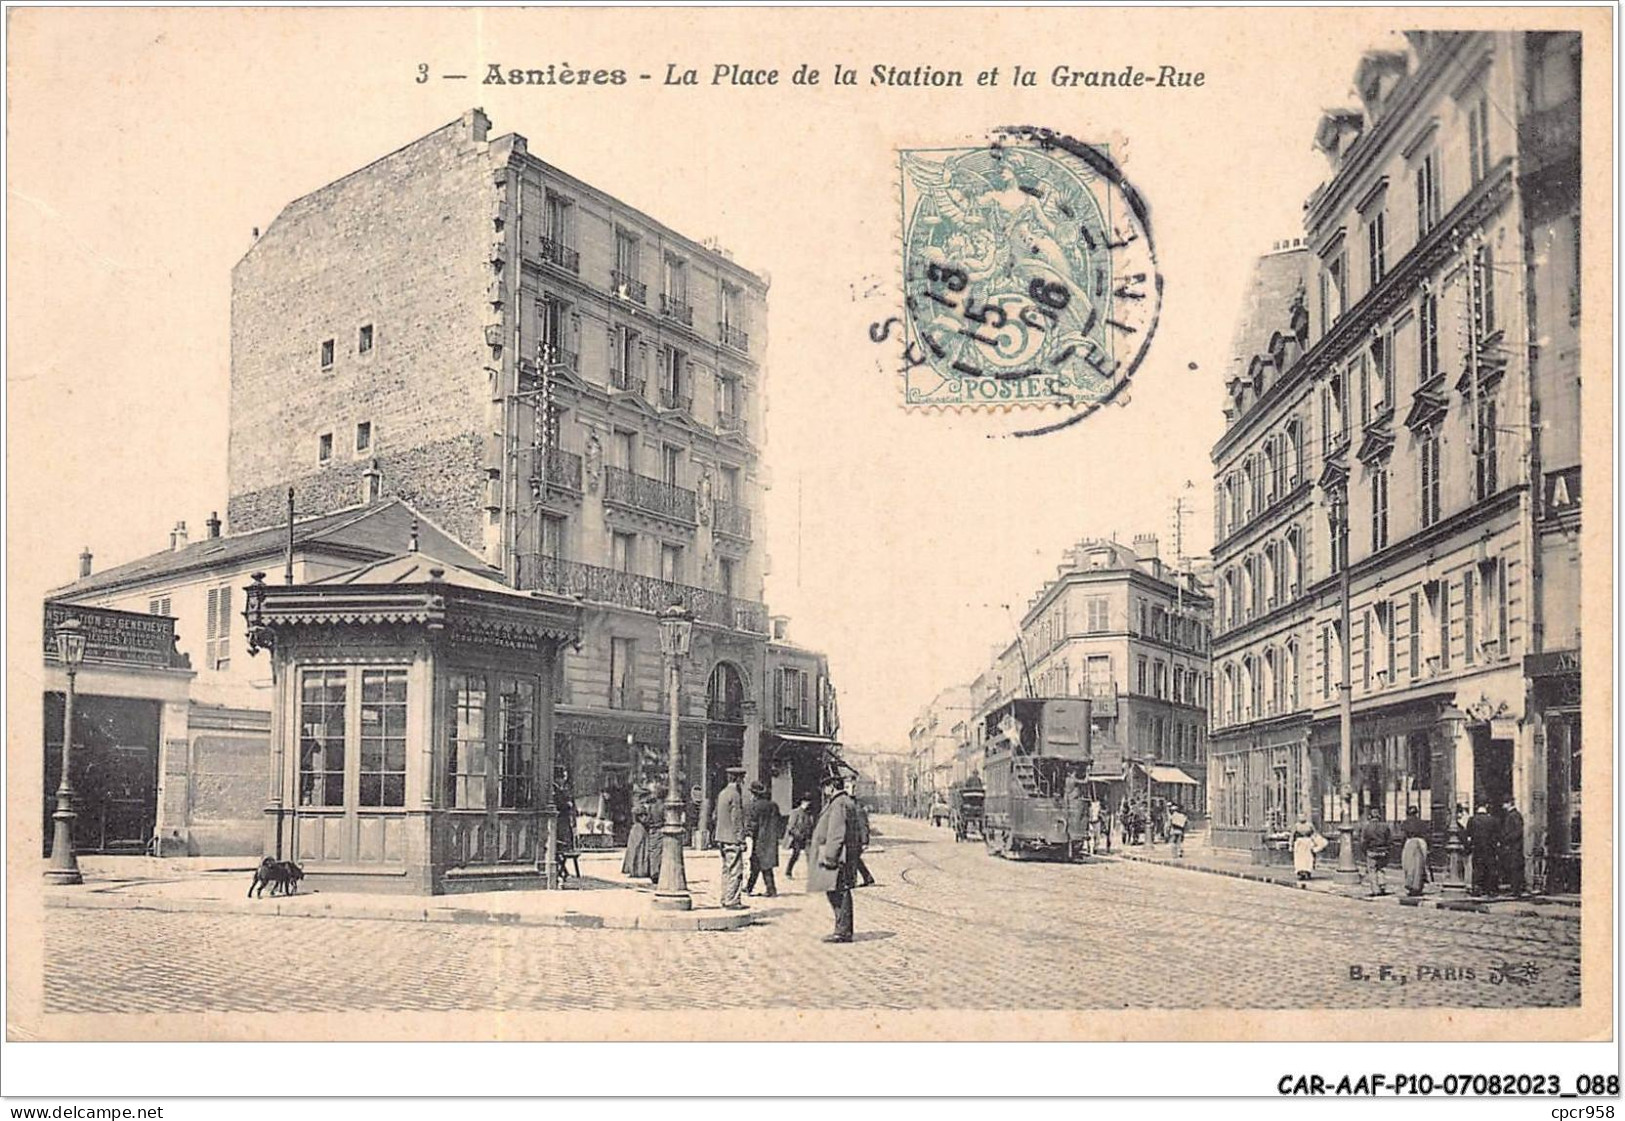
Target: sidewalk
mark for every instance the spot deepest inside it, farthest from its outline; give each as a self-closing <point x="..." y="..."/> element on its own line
<point x="601" y="899"/>
<point x="1200" y="857"/>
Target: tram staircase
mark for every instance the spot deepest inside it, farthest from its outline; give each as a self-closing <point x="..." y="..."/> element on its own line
<point x="1022" y="769"/>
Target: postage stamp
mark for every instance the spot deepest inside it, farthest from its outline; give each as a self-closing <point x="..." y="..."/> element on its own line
<point x="1029" y="275"/>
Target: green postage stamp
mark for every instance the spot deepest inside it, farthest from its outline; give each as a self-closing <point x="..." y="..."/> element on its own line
<point x="1029" y="275"/>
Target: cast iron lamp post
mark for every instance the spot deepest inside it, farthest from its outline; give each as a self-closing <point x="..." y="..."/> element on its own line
<point x="671" y="894"/>
<point x="63" y="867"/>
<point x="1347" y="872"/>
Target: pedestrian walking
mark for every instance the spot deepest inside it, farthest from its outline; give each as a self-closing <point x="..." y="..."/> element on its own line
<point x="731" y="837"/>
<point x="798" y="831"/>
<point x="1094" y="826"/>
<point x="654" y="829"/>
<point x="1511" y="849"/>
<point x="1306" y="843"/>
<point x="765" y="825"/>
<point x="865" y="879"/>
<point x="635" y="863"/>
<point x="1413" y="858"/>
<point x="1483" y="837"/>
<point x="1176" y="829"/>
<point x="1376" y="841"/>
<point x="835" y="850"/>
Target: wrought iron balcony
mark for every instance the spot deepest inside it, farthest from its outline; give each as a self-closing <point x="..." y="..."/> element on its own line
<point x="556" y="357"/>
<point x="731" y="519"/>
<point x="538" y="572"/>
<point x="673" y="308"/>
<point x="650" y="496"/>
<point x="732" y="423"/>
<point x="621" y="380"/>
<point x="733" y="336"/>
<point x="671" y="399"/>
<point x="550" y="469"/>
<point x="628" y="287"/>
<point x="560" y="254"/>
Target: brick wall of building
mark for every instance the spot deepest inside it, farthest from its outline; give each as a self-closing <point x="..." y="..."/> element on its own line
<point x="401" y="245"/>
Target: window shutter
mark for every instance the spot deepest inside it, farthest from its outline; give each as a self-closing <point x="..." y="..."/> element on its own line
<point x="211" y="626"/>
<point x="223" y="630"/>
<point x="805" y="697"/>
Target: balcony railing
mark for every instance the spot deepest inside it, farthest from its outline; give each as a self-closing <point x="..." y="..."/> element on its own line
<point x="672" y="399"/>
<point x="733" y="336"/>
<point x="652" y="496"/>
<point x="626" y="383"/>
<point x="557" y="357"/>
<point x="550" y="469"/>
<point x="560" y="254"/>
<point x="629" y="287"/>
<point x="732" y="424"/>
<point x="640" y="593"/>
<point x="731" y="519"/>
<point x="673" y="308"/>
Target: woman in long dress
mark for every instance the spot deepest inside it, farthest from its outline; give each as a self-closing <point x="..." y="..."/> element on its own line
<point x="1413" y="858"/>
<point x="1303" y="846"/>
<point x="636" y="861"/>
<point x="654" y="824"/>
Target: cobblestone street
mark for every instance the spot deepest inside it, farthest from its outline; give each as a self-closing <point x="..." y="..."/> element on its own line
<point x="946" y="927"/>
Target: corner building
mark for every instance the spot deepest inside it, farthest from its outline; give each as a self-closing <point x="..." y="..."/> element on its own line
<point x="1408" y="362"/>
<point x="569" y="387"/>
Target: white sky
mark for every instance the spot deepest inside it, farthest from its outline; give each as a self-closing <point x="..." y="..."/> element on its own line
<point x="144" y="146"/>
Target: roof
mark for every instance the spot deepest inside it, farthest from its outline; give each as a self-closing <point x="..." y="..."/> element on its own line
<point x="416" y="567"/>
<point x="367" y="532"/>
<point x="1266" y="305"/>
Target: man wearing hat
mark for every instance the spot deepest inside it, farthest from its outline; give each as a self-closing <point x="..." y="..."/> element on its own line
<point x="765" y="825"/>
<point x="731" y="837"/>
<point x="835" y="850"/>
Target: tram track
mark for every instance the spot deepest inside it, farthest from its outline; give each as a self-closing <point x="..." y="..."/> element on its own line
<point x="1487" y="940"/>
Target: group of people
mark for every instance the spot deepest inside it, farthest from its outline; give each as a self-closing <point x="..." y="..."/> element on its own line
<point x="1494" y="849"/>
<point x="834" y="841"/>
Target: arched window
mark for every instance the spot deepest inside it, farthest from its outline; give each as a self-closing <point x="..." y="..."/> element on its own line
<point x="1272" y="574"/>
<point x="1294" y="439"/>
<point x="725" y="695"/>
<point x="1267" y="687"/>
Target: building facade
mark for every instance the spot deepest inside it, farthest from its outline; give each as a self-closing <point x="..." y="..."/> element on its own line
<point x="568" y="386"/>
<point x="1398" y="382"/>
<point x="1131" y="633"/>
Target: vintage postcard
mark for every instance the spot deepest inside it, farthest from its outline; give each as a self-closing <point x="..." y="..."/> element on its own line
<point x="812" y="524"/>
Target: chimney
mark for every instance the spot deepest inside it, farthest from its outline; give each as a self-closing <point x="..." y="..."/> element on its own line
<point x="1145" y="546"/>
<point x="177" y="537"/>
<point x="84" y="563"/>
<point x="372" y="484"/>
<point x="213" y="524"/>
<point x="477" y="124"/>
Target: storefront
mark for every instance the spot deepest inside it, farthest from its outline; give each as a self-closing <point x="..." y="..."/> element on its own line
<point x="128" y="766"/>
<point x="796" y="765"/>
<point x="412" y="726"/>
<point x="1554" y="687"/>
<point x="1260" y="782"/>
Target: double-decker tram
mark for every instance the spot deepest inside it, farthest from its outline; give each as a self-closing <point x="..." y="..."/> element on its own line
<point x="1036" y="770"/>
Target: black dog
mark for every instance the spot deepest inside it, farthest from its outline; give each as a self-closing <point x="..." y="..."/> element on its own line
<point x="284" y="874"/>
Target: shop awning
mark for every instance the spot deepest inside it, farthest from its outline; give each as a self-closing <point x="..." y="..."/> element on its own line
<point x="1172" y="775"/>
<point x="827" y="746"/>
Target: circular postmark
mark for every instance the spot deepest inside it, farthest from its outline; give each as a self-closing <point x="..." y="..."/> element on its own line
<point x="1029" y="276"/>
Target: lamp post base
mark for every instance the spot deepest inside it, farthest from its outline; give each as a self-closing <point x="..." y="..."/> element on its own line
<point x="1347" y="871"/>
<point x="63" y="867"/>
<point x="671" y="892"/>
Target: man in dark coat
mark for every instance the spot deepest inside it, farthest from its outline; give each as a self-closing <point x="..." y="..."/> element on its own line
<point x="835" y="850"/>
<point x="865" y="877"/>
<point x="764" y="824"/>
<point x="1511" y="849"/>
<point x="1376" y="841"/>
<point x="730" y="836"/>
<point x="1483" y="835"/>
<point x="799" y="831"/>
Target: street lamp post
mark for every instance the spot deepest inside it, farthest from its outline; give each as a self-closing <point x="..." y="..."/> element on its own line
<point x="1346" y="872"/>
<point x="671" y="893"/>
<point x="63" y="867"/>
